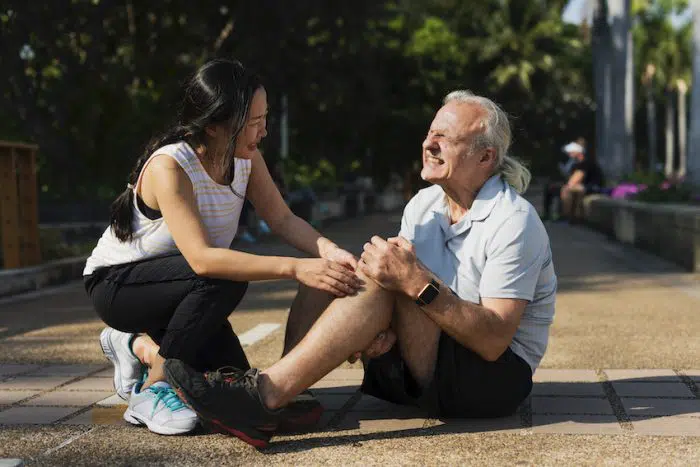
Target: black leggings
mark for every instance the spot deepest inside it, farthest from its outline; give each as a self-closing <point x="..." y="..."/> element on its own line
<point x="186" y="314"/>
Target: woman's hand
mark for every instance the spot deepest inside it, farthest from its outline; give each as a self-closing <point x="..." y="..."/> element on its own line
<point x="333" y="252"/>
<point x="325" y="274"/>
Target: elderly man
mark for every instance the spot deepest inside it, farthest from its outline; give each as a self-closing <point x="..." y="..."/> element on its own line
<point x="455" y="313"/>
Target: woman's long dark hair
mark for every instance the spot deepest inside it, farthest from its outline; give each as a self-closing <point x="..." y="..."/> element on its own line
<point x="221" y="91"/>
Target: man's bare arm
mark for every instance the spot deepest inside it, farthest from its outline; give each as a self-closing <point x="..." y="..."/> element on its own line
<point x="486" y="328"/>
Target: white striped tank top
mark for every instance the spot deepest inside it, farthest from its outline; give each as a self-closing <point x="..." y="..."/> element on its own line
<point x="219" y="207"/>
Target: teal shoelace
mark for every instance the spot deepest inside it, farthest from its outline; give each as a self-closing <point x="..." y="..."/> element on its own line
<point x="168" y="396"/>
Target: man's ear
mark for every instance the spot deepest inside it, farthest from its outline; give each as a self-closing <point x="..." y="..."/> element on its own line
<point x="489" y="155"/>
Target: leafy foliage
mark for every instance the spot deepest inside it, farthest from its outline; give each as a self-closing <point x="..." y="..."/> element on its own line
<point x="92" y="80"/>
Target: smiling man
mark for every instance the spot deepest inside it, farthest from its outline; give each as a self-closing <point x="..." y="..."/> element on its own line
<point x="455" y="313"/>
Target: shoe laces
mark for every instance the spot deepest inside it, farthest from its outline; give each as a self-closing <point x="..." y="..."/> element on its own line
<point x="226" y="376"/>
<point x="230" y="376"/>
<point x="168" y="396"/>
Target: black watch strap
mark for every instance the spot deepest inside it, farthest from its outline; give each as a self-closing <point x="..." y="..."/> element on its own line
<point x="429" y="293"/>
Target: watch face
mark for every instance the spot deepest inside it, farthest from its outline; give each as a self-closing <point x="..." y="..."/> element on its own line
<point x="429" y="293"/>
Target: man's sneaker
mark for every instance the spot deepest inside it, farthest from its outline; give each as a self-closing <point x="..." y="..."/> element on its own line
<point x="159" y="408"/>
<point x="128" y="370"/>
<point x="227" y="399"/>
<point x="301" y="414"/>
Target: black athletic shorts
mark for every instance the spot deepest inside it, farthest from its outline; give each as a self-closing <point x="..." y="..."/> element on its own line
<point x="464" y="384"/>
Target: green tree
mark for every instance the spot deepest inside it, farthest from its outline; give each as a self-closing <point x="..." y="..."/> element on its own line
<point x="665" y="50"/>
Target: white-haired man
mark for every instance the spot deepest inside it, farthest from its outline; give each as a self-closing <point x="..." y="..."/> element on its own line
<point x="455" y="313"/>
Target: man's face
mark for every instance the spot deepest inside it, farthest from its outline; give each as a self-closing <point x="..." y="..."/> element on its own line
<point x="446" y="150"/>
<point x="577" y="155"/>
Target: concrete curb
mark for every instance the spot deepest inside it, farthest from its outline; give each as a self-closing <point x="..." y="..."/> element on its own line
<point x="670" y="231"/>
<point x="17" y="281"/>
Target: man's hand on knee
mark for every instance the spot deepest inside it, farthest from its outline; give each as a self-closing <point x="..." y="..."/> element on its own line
<point x="381" y="344"/>
<point x="390" y="263"/>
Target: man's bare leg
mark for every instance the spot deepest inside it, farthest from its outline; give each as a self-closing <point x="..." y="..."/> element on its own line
<point x="307" y="306"/>
<point x="418" y="338"/>
<point x="347" y="326"/>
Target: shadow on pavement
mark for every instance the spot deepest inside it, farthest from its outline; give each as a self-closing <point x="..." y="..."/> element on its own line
<point x="612" y="403"/>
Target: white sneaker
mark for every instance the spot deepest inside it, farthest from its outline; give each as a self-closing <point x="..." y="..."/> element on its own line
<point x="128" y="370"/>
<point x="159" y="408"/>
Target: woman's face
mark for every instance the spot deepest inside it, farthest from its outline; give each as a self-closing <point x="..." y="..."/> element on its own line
<point x="254" y="129"/>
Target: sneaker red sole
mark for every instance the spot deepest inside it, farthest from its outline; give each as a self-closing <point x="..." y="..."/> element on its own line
<point x="261" y="440"/>
<point x="304" y="421"/>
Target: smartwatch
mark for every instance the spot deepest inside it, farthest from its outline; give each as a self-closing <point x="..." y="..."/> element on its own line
<point x="428" y="294"/>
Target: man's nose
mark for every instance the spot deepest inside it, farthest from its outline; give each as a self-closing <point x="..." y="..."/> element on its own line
<point x="429" y="143"/>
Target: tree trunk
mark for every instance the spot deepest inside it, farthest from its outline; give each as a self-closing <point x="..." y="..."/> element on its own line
<point x="603" y="81"/>
<point x="693" y="164"/>
<point x="682" y="132"/>
<point x="621" y="159"/>
<point x="668" y="168"/>
<point x="651" y="125"/>
<point x="629" y="160"/>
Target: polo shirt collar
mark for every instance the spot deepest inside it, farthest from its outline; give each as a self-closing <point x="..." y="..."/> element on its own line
<point x="486" y="199"/>
<point x="482" y="206"/>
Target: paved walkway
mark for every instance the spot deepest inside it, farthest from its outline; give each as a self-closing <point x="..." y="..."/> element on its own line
<point x="647" y="402"/>
<point x="620" y="380"/>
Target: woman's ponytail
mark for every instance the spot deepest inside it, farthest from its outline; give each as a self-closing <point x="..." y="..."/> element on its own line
<point x="121" y="210"/>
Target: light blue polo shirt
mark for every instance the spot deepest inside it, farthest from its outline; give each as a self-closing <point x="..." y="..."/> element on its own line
<point x="499" y="249"/>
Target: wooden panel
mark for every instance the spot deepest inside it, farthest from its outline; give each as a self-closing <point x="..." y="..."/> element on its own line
<point x="8" y="145"/>
<point x="8" y="202"/>
<point x="28" y="207"/>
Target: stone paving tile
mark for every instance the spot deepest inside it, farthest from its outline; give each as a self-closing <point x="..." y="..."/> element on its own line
<point x="112" y="401"/>
<point x="510" y="424"/>
<point x="34" y="382"/>
<point x="68" y="398"/>
<point x="624" y="389"/>
<point x="333" y="401"/>
<point x="10" y="397"/>
<point x="576" y="424"/>
<point x="66" y="370"/>
<point x="326" y="418"/>
<point x="106" y="373"/>
<point x="647" y="376"/>
<point x="667" y="426"/>
<point x="344" y="387"/>
<point x="548" y="375"/>
<point x="373" y="404"/>
<point x="571" y="405"/>
<point x="568" y="389"/>
<point x="99" y="416"/>
<point x="367" y="424"/>
<point x="33" y="415"/>
<point x="91" y="384"/>
<point x="346" y="375"/>
<point x="9" y="369"/>
<point x="658" y="407"/>
<point x="694" y="375"/>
